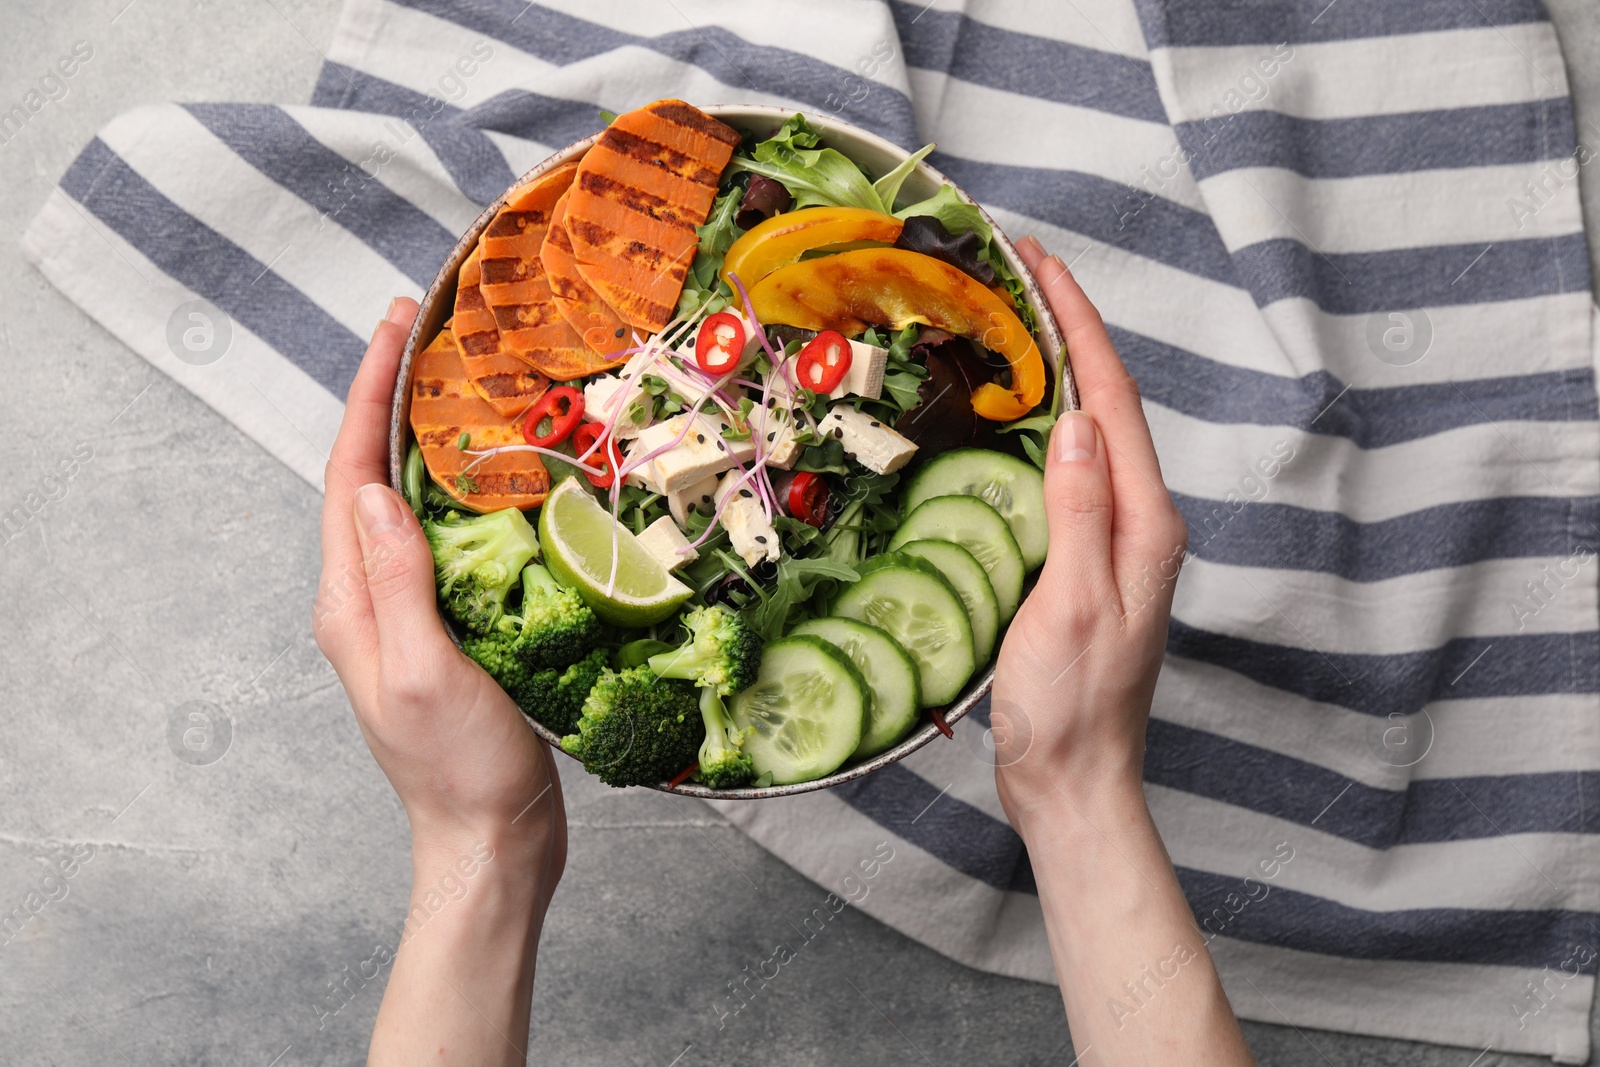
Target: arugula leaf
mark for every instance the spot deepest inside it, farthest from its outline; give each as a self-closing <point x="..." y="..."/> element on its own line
<point x="797" y="580"/>
<point x="717" y="236"/>
<point x="902" y="375"/>
<point x="1013" y="285"/>
<point x="1035" y="431"/>
<point x="703" y="284"/>
<point x="888" y="186"/>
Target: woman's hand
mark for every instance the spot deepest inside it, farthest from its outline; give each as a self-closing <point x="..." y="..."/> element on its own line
<point x="1071" y="700"/>
<point x="1078" y="666"/>
<point x="488" y="829"/>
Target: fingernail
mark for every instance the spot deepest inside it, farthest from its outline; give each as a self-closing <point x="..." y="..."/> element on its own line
<point x="377" y="509"/>
<point x="1075" y="437"/>
<point x="1031" y="243"/>
<point x="1058" y="263"/>
<point x="390" y="316"/>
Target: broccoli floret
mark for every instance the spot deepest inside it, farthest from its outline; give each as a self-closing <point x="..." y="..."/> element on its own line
<point x="721" y="656"/>
<point x="554" y="627"/>
<point x="476" y="561"/>
<point x="554" y="697"/>
<point x="496" y="653"/>
<point x="636" y="728"/>
<point x="722" y="652"/>
<point x="724" y="764"/>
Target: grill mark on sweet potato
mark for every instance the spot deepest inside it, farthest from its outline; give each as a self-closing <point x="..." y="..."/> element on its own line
<point x="515" y="287"/>
<point x="662" y="157"/>
<point x="681" y="114"/>
<point x="510" y="223"/>
<point x="602" y="330"/>
<point x="501" y="271"/>
<point x="635" y="199"/>
<point x="649" y="180"/>
<point x="445" y="405"/>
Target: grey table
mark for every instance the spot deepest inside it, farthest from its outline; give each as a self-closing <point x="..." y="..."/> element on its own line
<point x="224" y="902"/>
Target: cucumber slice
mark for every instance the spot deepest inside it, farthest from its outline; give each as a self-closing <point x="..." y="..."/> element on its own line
<point x="891" y="677"/>
<point x="1013" y="487"/>
<point x="807" y="709"/>
<point x="971" y="583"/>
<point x="908" y="599"/>
<point x="979" y="529"/>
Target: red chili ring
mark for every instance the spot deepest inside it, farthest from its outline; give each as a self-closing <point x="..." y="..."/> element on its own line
<point x="560" y="425"/>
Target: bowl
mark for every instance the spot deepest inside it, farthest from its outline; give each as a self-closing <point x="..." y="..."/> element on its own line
<point x="877" y="156"/>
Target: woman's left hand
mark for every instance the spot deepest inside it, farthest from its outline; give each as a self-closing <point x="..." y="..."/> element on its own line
<point x="488" y="830"/>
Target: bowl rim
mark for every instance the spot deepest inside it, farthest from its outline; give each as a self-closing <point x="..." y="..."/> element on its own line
<point x="438" y="302"/>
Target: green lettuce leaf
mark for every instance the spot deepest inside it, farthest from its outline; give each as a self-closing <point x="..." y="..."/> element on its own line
<point x="953" y="213"/>
<point x="820" y="177"/>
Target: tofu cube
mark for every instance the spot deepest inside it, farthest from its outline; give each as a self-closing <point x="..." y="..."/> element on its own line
<point x="877" y="447"/>
<point x="865" y="376"/>
<point x="699" y="495"/>
<point x="778" y="437"/>
<point x="647" y="441"/>
<point x="751" y="535"/>
<point x="700" y="453"/>
<point x="607" y="394"/>
<point x="663" y="540"/>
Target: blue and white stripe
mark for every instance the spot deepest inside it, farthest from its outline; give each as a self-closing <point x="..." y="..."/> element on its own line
<point x="1248" y="193"/>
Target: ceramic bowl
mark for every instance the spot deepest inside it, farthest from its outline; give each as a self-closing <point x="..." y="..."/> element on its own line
<point x="877" y="156"/>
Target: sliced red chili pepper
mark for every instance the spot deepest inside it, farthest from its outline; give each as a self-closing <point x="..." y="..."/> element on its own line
<point x="562" y="422"/>
<point x="683" y="775"/>
<point x="605" y="457"/>
<point x="824" y="362"/>
<point x="808" y="498"/>
<point x="720" y="344"/>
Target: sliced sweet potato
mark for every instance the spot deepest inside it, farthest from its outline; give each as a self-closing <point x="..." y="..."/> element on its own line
<point x="508" y="384"/>
<point x="517" y="289"/>
<point x="639" y="194"/>
<point x="601" y="328"/>
<point x="444" y="405"/>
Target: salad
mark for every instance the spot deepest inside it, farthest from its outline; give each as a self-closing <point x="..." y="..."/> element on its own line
<point x="730" y="460"/>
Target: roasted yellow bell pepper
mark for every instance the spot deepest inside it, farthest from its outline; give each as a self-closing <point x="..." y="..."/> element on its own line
<point x="852" y="290"/>
<point x="783" y="239"/>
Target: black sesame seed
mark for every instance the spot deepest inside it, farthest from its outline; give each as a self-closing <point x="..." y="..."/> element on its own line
<point x="874" y="422"/>
<point x="761" y="539"/>
<point x="721" y="447"/>
<point x="746" y="493"/>
<point x="772" y="401"/>
<point x="706" y="499"/>
<point x="621" y="330"/>
<point x="838" y="432"/>
<point x="772" y="434"/>
<point x="700" y="437"/>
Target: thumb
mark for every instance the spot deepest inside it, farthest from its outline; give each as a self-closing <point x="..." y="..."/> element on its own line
<point x="399" y="570"/>
<point x="1077" y="494"/>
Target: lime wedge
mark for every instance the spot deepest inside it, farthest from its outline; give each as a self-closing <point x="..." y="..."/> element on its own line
<point x="576" y="534"/>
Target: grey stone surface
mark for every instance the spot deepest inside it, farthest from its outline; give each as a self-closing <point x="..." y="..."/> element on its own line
<point x="222" y="898"/>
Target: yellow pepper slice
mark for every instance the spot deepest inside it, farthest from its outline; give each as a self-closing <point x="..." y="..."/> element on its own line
<point x="852" y="290"/>
<point x="783" y="239"/>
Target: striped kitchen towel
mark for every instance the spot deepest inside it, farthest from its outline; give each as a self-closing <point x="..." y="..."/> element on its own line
<point x="1339" y="245"/>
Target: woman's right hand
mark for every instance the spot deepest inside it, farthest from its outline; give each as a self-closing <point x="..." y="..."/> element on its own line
<point x="1078" y="666"/>
<point x="1071" y="701"/>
